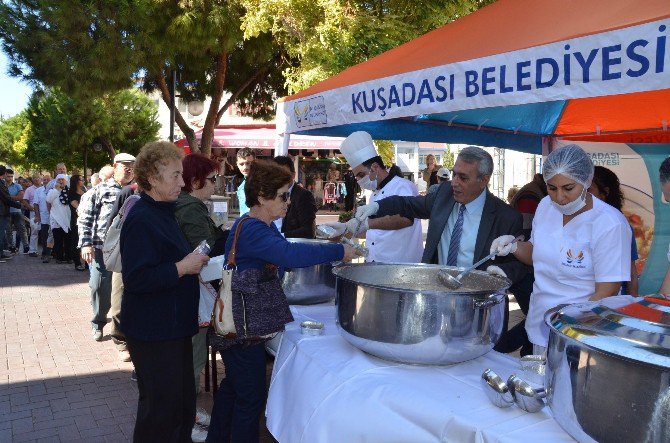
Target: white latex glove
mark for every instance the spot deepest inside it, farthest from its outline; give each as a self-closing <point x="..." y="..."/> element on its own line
<point x="495" y="270"/>
<point x="366" y="211"/>
<point x="340" y="228"/>
<point x="503" y="245"/>
<point x="357" y="226"/>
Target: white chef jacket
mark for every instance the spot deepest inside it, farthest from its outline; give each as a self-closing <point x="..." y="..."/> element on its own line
<point x="569" y="260"/>
<point x="402" y="245"/>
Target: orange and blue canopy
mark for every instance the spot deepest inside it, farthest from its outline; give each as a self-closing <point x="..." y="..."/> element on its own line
<point x="513" y="75"/>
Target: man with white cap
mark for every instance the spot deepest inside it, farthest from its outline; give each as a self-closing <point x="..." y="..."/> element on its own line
<point x="443" y="175"/>
<point x="393" y="238"/>
<point x="92" y="224"/>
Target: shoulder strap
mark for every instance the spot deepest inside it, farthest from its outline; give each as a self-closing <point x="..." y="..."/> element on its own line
<point x="233" y="250"/>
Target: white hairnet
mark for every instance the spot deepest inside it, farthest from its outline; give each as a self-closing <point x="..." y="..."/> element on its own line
<point x="571" y="161"/>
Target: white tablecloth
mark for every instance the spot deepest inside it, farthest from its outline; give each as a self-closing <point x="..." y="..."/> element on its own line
<point x="325" y="390"/>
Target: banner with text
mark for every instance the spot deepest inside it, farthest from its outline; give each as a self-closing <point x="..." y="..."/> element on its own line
<point x="628" y="60"/>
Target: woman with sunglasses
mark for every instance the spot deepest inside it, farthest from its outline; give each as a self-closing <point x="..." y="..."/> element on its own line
<point x="260" y="246"/>
<point x="193" y="218"/>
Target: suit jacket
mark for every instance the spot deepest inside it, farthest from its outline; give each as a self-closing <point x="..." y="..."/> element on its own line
<point x="300" y="220"/>
<point x="498" y="218"/>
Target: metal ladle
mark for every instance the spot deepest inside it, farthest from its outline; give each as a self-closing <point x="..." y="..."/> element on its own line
<point x="452" y="282"/>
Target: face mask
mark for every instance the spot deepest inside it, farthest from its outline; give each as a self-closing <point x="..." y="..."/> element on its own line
<point x="573" y="206"/>
<point x="368" y="184"/>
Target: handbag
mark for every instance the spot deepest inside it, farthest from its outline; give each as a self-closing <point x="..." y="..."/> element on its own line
<point x="251" y="306"/>
<point x="222" y="321"/>
<point x="111" y="248"/>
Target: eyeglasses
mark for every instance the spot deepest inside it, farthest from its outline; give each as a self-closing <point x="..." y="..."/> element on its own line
<point x="285" y="196"/>
<point x="211" y="179"/>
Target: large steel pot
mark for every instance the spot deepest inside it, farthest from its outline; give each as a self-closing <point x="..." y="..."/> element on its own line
<point x="310" y="285"/>
<point x="402" y="312"/>
<point x="608" y="369"/>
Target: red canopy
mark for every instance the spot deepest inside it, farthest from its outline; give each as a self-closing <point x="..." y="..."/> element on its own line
<point x="264" y="137"/>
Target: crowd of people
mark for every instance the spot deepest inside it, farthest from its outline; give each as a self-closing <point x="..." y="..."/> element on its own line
<point x="578" y="246"/>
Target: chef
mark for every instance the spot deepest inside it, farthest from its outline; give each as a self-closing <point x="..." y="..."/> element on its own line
<point x="392" y="238"/>
<point x="579" y="245"/>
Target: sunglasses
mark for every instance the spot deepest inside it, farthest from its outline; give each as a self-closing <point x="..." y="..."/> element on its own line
<point x="285" y="196"/>
<point x="211" y="179"/>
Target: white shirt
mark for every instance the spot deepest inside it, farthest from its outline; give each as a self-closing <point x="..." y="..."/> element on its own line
<point x="60" y="213"/>
<point x="569" y="260"/>
<point x="402" y="245"/>
<point x="40" y="199"/>
<point x="471" y="219"/>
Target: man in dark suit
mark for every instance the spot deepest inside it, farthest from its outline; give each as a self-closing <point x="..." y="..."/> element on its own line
<point x="464" y="217"/>
<point x="300" y="219"/>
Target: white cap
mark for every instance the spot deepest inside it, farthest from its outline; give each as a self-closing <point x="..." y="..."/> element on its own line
<point x="357" y="148"/>
<point x="443" y="173"/>
<point x="63" y="176"/>
<point x="123" y="158"/>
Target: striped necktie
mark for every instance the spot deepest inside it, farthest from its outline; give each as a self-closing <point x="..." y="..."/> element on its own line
<point x="455" y="242"/>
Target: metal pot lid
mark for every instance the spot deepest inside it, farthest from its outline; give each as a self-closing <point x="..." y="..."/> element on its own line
<point x="630" y="327"/>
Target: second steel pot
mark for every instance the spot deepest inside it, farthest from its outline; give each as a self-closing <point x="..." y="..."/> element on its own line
<point x="608" y="369"/>
<point x="310" y="285"/>
<point x="401" y="312"/>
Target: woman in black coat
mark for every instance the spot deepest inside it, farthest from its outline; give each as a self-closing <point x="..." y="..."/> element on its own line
<point x="159" y="310"/>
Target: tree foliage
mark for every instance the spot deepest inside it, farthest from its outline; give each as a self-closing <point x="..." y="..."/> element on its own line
<point x="328" y="36"/>
<point x="448" y="158"/>
<point x="14" y="132"/>
<point x="91" y="48"/>
<point x="62" y="127"/>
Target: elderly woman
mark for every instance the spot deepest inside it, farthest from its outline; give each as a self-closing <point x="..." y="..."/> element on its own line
<point x="241" y="396"/>
<point x="159" y="309"/>
<point x="579" y="246"/>
<point x="196" y="224"/>
<point x="59" y="219"/>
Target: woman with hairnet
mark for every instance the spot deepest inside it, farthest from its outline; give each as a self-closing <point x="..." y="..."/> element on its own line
<point x="579" y="246"/>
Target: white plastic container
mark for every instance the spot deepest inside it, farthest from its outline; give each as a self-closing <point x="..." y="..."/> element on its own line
<point x="213" y="269"/>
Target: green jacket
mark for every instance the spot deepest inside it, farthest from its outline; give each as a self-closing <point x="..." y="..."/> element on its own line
<point x="195" y="222"/>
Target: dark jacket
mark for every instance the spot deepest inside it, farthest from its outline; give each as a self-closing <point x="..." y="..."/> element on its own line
<point x="498" y="218"/>
<point x="300" y="220"/>
<point x="6" y="201"/>
<point x="195" y="222"/>
<point x="157" y="304"/>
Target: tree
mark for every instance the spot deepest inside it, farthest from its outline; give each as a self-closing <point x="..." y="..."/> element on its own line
<point x="386" y="151"/>
<point x="62" y="128"/>
<point x="328" y="36"/>
<point x="104" y="45"/>
<point x="13" y="136"/>
<point x="448" y="158"/>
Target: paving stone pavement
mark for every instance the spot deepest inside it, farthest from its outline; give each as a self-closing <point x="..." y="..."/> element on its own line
<point x="56" y="382"/>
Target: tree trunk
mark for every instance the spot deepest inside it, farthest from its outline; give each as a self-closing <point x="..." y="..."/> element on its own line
<point x="212" y="113"/>
<point x="179" y="119"/>
<point x="250" y="81"/>
<point x="109" y="147"/>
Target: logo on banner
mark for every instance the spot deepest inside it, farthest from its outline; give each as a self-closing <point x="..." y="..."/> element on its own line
<point x="310" y="112"/>
<point x="605" y="158"/>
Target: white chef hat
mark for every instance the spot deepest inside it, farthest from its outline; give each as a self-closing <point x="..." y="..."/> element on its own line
<point x="571" y="161"/>
<point x="357" y="148"/>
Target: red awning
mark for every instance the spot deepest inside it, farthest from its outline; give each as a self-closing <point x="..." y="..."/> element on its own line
<point x="266" y="138"/>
